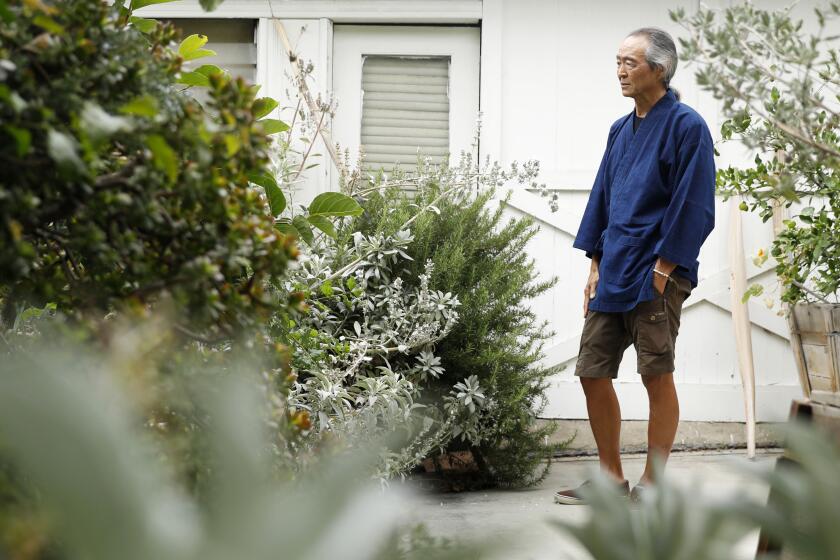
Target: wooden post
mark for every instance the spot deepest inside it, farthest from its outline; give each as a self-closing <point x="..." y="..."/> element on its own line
<point x="780" y="214"/>
<point x="741" y="318"/>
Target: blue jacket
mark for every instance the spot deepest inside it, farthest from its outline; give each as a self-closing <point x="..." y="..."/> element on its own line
<point x="654" y="195"/>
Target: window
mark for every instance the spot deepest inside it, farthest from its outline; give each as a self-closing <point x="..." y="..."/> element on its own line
<point x="404" y="90"/>
<point x="405" y="110"/>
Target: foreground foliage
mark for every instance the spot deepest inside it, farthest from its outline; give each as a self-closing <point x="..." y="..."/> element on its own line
<point x="117" y="191"/>
<point x="678" y="520"/>
<point x="98" y="490"/>
<point x="88" y="482"/>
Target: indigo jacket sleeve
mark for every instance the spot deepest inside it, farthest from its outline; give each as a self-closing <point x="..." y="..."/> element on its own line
<point x="593" y="225"/>
<point x="690" y="215"/>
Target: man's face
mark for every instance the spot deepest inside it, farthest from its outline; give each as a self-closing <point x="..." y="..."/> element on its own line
<point x="634" y="74"/>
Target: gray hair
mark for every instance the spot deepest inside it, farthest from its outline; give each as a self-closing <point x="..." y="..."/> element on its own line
<point x="660" y="53"/>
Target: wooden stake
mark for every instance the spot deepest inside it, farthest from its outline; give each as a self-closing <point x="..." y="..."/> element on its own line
<point x="741" y="318"/>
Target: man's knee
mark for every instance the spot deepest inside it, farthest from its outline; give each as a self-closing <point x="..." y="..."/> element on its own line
<point x="658" y="381"/>
<point x="595" y="384"/>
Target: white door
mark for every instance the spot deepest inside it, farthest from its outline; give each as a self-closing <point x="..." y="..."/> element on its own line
<point x="404" y="90"/>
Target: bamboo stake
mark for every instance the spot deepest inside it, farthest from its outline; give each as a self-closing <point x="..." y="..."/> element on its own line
<point x="297" y="65"/>
<point x="741" y="318"/>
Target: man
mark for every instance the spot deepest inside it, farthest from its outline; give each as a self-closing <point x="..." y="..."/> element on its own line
<point x="650" y="210"/>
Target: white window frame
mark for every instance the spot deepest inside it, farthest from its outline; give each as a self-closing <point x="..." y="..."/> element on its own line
<point x="460" y="43"/>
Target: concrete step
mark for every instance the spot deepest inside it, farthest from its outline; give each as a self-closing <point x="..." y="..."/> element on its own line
<point x="690" y="436"/>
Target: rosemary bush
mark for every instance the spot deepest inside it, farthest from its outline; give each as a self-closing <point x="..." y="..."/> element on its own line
<point x="497" y="343"/>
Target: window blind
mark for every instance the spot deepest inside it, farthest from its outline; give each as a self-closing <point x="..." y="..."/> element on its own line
<point x="405" y="110"/>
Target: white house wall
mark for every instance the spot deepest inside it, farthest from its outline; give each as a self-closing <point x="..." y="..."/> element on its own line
<point x="312" y="39"/>
<point x="339" y="11"/>
<point x="549" y="92"/>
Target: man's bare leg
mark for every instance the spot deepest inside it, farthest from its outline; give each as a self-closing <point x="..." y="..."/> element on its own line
<point x="605" y="420"/>
<point x="662" y="422"/>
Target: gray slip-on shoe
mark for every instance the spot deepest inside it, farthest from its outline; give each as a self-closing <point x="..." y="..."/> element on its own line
<point x="572" y="496"/>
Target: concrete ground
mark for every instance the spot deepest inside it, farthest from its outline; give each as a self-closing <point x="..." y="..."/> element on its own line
<point x="520" y="514"/>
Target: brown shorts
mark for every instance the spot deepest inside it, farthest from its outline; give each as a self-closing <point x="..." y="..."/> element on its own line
<point x="651" y="327"/>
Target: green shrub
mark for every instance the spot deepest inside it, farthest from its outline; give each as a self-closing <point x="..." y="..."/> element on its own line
<point x="483" y="262"/>
<point x="116" y="189"/>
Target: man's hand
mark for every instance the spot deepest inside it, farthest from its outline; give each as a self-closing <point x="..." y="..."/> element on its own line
<point x="591" y="284"/>
<point x="659" y="281"/>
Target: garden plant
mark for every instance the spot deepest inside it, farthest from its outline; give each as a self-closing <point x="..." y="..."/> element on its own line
<point x="779" y="89"/>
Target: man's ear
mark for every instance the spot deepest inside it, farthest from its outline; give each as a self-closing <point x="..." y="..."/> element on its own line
<point x="660" y="74"/>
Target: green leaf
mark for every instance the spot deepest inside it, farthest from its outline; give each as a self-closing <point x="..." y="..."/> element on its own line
<point x="143" y="106"/>
<point x="210" y="5"/>
<point x="23" y="138"/>
<point x="787" y="188"/>
<point x="286" y="228"/>
<point x="201" y="53"/>
<point x="99" y="124"/>
<point x="48" y="23"/>
<point x="324" y="224"/>
<point x="263" y="106"/>
<point x="276" y="198"/>
<point x="200" y="76"/>
<point x="304" y="229"/>
<point x="334" y="204"/>
<point x="753" y="290"/>
<point x="137" y="4"/>
<point x="143" y="25"/>
<point x="163" y="156"/>
<point x="36" y="312"/>
<point x="190" y="48"/>
<point x="62" y="149"/>
<point x="5" y="13"/>
<point x="326" y="288"/>
<point x="207" y="69"/>
<point x="193" y="79"/>
<point x="262" y="179"/>
<point x="232" y="143"/>
<point x="273" y="126"/>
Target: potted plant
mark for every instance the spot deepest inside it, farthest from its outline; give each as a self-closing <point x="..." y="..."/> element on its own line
<point x="780" y="92"/>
